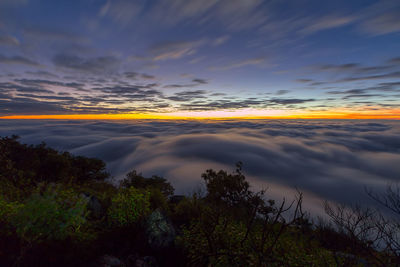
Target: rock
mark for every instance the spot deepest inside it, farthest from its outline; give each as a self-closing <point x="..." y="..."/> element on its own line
<point x="159" y="230"/>
<point x="110" y="261"/>
<point x="147" y="261"/>
<point x="94" y="206"/>
<point x="136" y="261"/>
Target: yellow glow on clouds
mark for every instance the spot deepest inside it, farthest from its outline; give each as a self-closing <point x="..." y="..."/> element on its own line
<point x="362" y="113"/>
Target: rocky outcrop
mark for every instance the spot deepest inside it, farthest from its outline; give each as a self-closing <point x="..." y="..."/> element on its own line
<point x="94" y="206"/>
<point x="159" y="230"/>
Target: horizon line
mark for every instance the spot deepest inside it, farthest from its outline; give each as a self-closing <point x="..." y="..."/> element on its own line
<point x="176" y="117"/>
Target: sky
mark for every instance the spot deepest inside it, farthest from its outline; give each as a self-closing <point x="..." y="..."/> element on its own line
<point x="116" y="59"/>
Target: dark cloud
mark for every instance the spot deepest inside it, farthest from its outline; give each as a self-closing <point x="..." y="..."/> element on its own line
<point x="17" y="60"/>
<point x="27" y="106"/>
<point x="355" y="68"/>
<point x="218" y="94"/>
<point x="343" y="67"/>
<point x="131" y="75"/>
<point x="23" y="89"/>
<point x="185" y="96"/>
<point x="224" y="104"/>
<point x="42" y="73"/>
<point x="147" y="76"/>
<point x="201" y="81"/>
<point x="136" y="75"/>
<point x="304" y="80"/>
<point x="48" y="97"/>
<point x="361" y="96"/>
<point x="378" y="88"/>
<point x="354" y="74"/>
<point x="39" y="83"/>
<point x="180" y="85"/>
<point x="130" y="90"/>
<point x="282" y="92"/>
<point x="95" y="64"/>
<point x="288" y="101"/>
<point x="395" y="60"/>
<point x="372" y="77"/>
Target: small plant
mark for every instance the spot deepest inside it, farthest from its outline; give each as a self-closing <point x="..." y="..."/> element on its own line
<point x="128" y="206"/>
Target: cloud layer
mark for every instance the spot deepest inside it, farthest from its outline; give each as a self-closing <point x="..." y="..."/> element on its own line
<point x="332" y="160"/>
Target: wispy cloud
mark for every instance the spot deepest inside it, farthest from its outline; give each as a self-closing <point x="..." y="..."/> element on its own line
<point x="174" y="50"/>
<point x="121" y="11"/>
<point x="239" y="64"/>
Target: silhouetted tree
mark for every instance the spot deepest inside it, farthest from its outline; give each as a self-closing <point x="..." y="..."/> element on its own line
<point x="138" y="181"/>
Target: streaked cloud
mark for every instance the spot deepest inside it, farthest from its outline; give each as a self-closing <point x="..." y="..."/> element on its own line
<point x="174" y="50"/>
<point x="121" y="11"/>
<point x="239" y="64"/>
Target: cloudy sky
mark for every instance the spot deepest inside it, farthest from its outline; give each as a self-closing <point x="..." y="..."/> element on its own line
<point x="200" y="58"/>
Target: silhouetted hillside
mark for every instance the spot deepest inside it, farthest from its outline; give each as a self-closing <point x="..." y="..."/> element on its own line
<point x="57" y="209"/>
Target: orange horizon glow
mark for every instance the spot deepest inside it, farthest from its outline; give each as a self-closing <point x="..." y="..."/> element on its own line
<point x="220" y="115"/>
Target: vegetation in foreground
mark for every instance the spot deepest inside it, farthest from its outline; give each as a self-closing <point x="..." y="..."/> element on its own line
<point x="57" y="209"/>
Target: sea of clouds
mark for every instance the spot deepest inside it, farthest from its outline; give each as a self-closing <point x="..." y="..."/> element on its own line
<point x="326" y="159"/>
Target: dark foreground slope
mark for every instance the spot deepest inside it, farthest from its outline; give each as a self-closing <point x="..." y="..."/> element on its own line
<point x="57" y="209"/>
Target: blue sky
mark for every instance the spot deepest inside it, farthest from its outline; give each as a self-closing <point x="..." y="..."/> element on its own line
<point x="171" y="56"/>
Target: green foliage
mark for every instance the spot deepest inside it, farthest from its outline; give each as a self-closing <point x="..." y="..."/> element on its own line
<point x="233" y="226"/>
<point x="158" y="200"/>
<point x="128" y="206"/>
<point x="216" y="244"/>
<point x="24" y="166"/>
<point x="227" y="243"/>
<point x="138" y="181"/>
<point x="188" y="210"/>
<point x="7" y="211"/>
<point x="51" y="215"/>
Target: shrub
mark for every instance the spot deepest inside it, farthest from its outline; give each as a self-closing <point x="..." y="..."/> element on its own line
<point x="215" y="240"/>
<point x="158" y="200"/>
<point x="187" y="210"/>
<point x="54" y="215"/>
<point x="7" y="211"/>
<point x="138" y="181"/>
<point x="227" y="189"/>
<point x="128" y="206"/>
<point x="25" y="165"/>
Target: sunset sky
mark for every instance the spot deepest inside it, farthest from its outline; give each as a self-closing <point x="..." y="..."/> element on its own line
<point x="199" y="59"/>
